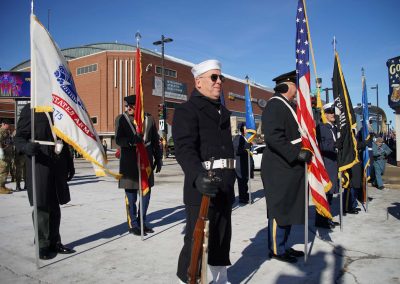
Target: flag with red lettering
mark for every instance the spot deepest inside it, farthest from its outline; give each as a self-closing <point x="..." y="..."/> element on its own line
<point x="144" y="164"/>
<point x="318" y="178"/>
<point x="53" y="90"/>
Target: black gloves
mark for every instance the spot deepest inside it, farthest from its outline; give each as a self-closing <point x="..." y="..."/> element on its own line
<point x="71" y="174"/>
<point x="304" y="155"/>
<point x="339" y="144"/>
<point x="31" y="148"/>
<point x="159" y="165"/>
<point x="206" y="185"/>
<point x="138" y="138"/>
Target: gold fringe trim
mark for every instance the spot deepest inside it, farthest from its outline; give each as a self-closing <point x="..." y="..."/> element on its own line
<point x="99" y="172"/>
<point x="43" y="109"/>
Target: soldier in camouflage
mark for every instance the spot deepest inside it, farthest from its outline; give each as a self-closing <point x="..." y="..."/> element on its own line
<point x="5" y="155"/>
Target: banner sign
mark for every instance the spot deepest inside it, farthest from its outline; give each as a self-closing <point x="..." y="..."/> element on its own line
<point x="173" y="89"/>
<point x="15" y="84"/>
<point x="393" y="65"/>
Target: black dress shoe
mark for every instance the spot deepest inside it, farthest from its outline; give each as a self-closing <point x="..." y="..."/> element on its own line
<point x="334" y="223"/>
<point x="46" y="253"/>
<point x="136" y="231"/>
<point x="286" y="257"/>
<point x="60" y="248"/>
<point x="352" y="211"/>
<point x="295" y="253"/>
<point x="358" y="209"/>
<point x="324" y="225"/>
<point x="148" y="230"/>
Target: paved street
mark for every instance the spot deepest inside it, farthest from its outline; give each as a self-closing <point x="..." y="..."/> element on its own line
<point x="94" y="224"/>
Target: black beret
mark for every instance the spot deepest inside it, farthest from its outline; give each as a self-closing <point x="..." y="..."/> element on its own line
<point x="130" y="100"/>
<point x="287" y="77"/>
<point x="6" y="121"/>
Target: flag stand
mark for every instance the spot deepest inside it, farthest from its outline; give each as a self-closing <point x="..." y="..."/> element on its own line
<point x="306" y="214"/>
<point x="249" y="171"/>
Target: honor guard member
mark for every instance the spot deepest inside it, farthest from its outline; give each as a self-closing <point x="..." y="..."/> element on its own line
<point x="327" y="136"/>
<point x="126" y="137"/>
<point x="282" y="168"/>
<point x="5" y="155"/>
<point x="242" y="148"/>
<point x="54" y="168"/>
<point x="202" y="132"/>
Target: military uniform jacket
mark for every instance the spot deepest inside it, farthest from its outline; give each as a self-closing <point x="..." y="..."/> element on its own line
<point x="326" y="134"/>
<point x="282" y="174"/>
<point x="51" y="169"/>
<point x="127" y="139"/>
<point x="241" y="146"/>
<point x="199" y="133"/>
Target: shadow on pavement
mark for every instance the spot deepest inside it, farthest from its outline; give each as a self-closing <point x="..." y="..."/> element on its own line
<point x="105" y="234"/>
<point x="394" y="210"/>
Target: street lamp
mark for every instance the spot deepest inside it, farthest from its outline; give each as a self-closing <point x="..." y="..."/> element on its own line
<point x="162" y="42"/>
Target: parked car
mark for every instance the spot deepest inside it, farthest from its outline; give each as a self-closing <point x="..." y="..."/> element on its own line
<point x="257" y="151"/>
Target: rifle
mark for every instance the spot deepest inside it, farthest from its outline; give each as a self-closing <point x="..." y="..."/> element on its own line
<point x="197" y="272"/>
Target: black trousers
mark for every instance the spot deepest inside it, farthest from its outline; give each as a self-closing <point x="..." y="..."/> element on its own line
<point x="220" y="232"/>
<point x="49" y="219"/>
<point x="243" y="189"/>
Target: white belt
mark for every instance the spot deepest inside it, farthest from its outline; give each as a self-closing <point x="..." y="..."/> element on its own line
<point x="220" y="164"/>
<point x="50" y="143"/>
<point x="298" y="140"/>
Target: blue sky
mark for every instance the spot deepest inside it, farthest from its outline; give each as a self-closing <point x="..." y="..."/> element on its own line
<point x="254" y="37"/>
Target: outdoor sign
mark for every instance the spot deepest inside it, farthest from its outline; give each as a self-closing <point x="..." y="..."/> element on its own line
<point x="393" y="65"/>
<point x="173" y="89"/>
<point x="15" y="84"/>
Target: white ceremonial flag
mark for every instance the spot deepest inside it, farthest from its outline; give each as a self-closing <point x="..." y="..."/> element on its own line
<point x="53" y="90"/>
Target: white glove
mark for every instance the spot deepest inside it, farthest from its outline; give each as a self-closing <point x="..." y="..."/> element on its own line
<point x="1" y="154"/>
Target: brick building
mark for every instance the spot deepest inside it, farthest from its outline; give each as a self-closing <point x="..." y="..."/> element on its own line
<point x="104" y="74"/>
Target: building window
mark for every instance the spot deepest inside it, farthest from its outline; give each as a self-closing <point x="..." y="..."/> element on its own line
<point x="94" y="119"/>
<point x="168" y="72"/>
<point x="86" y="69"/>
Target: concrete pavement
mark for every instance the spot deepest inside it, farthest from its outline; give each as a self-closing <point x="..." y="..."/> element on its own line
<point x="94" y="224"/>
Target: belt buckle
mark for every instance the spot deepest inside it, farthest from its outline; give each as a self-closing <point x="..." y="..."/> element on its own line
<point x="231" y="163"/>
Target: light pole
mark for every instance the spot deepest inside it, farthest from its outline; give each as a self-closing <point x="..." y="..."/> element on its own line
<point x="377" y="105"/>
<point x="162" y="42"/>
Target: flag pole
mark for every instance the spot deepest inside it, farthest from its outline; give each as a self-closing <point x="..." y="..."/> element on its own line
<point x="319" y="102"/>
<point x="138" y="162"/>
<point x="306" y="213"/>
<point x="34" y="197"/>
<point x="249" y="171"/>
<point x="341" y="202"/>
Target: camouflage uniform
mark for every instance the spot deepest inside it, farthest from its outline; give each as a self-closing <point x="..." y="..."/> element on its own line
<point x="5" y="163"/>
<point x="20" y="173"/>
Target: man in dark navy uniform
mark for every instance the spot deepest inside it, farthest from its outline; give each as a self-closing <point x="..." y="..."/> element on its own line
<point x="282" y="168"/>
<point x="201" y="130"/>
<point x="327" y="141"/>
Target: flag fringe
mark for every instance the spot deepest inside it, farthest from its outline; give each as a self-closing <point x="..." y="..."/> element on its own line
<point x="43" y="109"/>
<point x="99" y="172"/>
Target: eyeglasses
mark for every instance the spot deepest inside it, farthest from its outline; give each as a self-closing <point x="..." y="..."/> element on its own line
<point x="214" y="77"/>
<point x="130" y="106"/>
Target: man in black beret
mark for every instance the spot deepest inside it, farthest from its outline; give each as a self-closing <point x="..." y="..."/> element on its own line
<point x="126" y="137"/>
<point x="282" y="168"/>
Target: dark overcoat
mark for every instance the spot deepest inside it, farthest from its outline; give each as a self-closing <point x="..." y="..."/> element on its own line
<point x="127" y="139"/>
<point x="326" y="135"/>
<point x="200" y="133"/>
<point x="282" y="174"/>
<point x="52" y="170"/>
<point x="240" y="145"/>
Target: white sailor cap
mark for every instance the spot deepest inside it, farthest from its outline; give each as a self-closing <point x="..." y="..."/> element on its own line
<point x="328" y="106"/>
<point x="205" y="66"/>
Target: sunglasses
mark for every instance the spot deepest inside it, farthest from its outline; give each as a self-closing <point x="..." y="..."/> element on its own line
<point x="214" y="77"/>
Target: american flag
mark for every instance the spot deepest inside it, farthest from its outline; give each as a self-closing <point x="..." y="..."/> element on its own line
<point x="318" y="178"/>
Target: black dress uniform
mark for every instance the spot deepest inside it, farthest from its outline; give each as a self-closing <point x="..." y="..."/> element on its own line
<point x="281" y="171"/>
<point x="201" y="130"/>
<point x="52" y="173"/>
